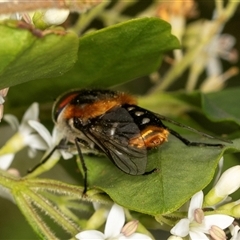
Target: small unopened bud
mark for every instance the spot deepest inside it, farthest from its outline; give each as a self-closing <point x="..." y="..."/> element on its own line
<point x="235" y="211"/>
<point x="50" y="17"/>
<point x="55" y="16"/>
<point x="129" y="228"/>
<point x="229" y="206"/>
<point x="217" y="233"/>
<point x="198" y="215"/>
<point x="228" y="183"/>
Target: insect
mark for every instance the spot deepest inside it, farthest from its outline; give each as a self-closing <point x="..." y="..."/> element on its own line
<point x="113" y="123"/>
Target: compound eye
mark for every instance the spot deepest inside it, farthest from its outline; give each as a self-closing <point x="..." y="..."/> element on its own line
<point x="56" y="112"/>
<point x="61" y="103"/>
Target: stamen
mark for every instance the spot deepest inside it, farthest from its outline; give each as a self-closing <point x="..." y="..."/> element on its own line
<point x="129" y="228"/>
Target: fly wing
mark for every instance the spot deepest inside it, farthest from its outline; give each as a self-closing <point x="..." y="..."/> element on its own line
<point x="112" y="132"/>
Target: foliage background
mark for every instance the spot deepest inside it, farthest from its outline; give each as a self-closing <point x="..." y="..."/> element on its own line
<point x="17" y="102"/>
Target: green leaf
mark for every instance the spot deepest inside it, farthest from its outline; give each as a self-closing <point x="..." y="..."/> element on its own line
<point x="29" y="54"/>
<point x="223" y="105"/>
<point x="171" y="103"/>
<point x="108" y="57"/>
<point x="182" y="171"/>
<point x="122" y="52"/>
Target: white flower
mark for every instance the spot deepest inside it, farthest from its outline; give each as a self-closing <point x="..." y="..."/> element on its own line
<point x="53" y="154"/>
<point x="228" y="183"/>
<point x="3" y="94"/>
<point x="55" y="16"/>
<point x="6" y="160"/>
<point x="22" y="138"/>
<point x="51" y="141"/>
<point x="221" y="46"/>
<point x="235" y="232"/>
<point x="113" y="227"/>
<point x="1" y="100"/>
<point x="197" y="225"/>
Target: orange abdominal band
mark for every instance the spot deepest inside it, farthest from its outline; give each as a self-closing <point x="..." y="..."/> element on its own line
<point x="150" y="137"/>
<point x="92" y="110"/>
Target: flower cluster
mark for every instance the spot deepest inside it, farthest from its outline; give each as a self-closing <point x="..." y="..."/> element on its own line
<point x="32" y="134"/>
<point x="114" y="228"/>
<point x="200" y="223"/>
<point x="196" y="225"/>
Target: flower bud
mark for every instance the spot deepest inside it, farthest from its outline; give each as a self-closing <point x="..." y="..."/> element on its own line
<point x="50" y="17"/>
<point x="229" y="206"/>
<point x="228" y="183"/>
<point x="235" y="211"/>
<point x="55" y="16"/>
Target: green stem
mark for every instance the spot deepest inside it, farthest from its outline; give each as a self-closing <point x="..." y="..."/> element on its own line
<point x="177" y="69"/>
<point x="43" y="167"/>
<point x="33" y="218"/>
<point x="7" y="180"/>
<point x="35" y="199"/>
<point x="86" y="18"/>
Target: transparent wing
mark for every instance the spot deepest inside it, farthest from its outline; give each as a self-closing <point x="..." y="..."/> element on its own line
<point x="112" y="133"/>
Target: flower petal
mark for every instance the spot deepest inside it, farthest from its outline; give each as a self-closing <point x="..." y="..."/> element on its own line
<point x="12" y="121"/>
<point x="35" y="141"/>
<point x="1" y="100"/>
<point x="55" y="16"/>
<point x="197" y="235"/>
<point x="66" y="155"/>
<point x="220" y="220"/>
<point x="31" y="113"/>
<point x="56" y="135"/>
<point x="115" y="221"/>
<point x="6" y="160"/>
<point x="220" y="168"/>
<point x="229" y="182"/>
<point x="235" y="232"/>
<point x="90" y="234"/>
<point x="181" y="229"/>
<point x="42" y="131"/>
<point x="32" y="152"/>
<point x="213" y="67"/>
<point x="195" y="203"/>
<point x="135" y="236"/>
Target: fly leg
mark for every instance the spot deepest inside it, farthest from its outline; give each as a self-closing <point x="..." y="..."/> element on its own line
<point x="77" y="141"/>
<point x="190" y="143"/>
<point x="62" y="145"/>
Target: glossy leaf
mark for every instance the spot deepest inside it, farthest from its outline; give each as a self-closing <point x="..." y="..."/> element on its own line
<point x="182" y="171"/>
<point x="223" y="105"/>
<point x="122" y="52"/>
<point x="29" y="54"/>
<point x="108" y="57"/>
